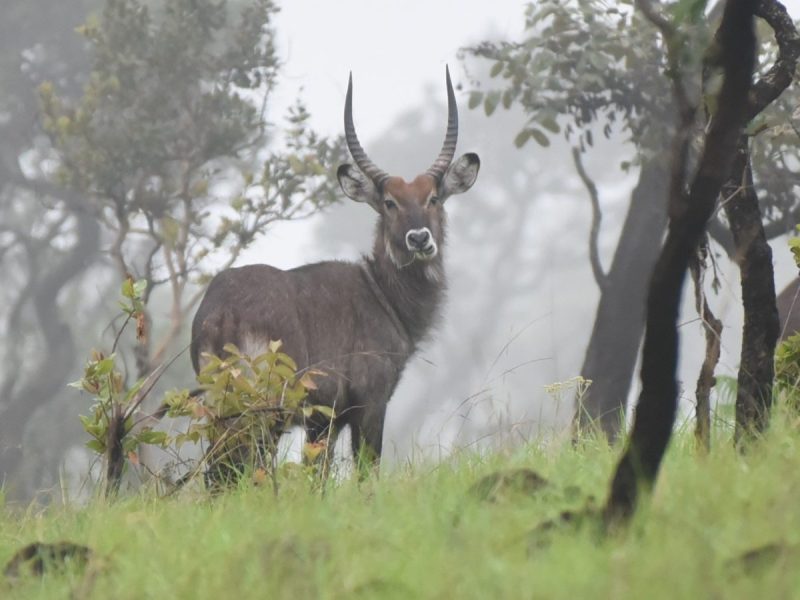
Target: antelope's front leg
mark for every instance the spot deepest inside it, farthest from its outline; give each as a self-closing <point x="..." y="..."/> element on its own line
<point x="367" y="440"/>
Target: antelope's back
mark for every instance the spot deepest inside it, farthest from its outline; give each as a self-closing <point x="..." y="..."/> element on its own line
<point x="320" y="312"/>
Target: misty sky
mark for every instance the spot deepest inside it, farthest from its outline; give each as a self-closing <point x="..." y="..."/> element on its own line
<point x="395" y="49"/>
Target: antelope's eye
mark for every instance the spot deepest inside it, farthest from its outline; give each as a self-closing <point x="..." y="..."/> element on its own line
<point x="389" y="204"/>
<point x="434" y="200"/>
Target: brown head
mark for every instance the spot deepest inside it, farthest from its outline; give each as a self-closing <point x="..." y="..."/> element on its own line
<point x="411" y="213"/>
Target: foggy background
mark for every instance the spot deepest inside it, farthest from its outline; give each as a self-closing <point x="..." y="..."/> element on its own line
<point x="521" y="298"/>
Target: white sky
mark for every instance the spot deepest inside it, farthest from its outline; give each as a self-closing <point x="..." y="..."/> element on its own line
<point x="395" y="48"/>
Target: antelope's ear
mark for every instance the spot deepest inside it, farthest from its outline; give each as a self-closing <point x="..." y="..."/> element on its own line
<point x="357" y="186"/>
<point x="460" y="175"/>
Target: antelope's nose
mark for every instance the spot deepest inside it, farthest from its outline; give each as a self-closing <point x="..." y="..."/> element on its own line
<point x="418" y="239"/>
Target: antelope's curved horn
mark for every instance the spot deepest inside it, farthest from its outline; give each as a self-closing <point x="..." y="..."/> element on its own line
<point x="440" y="165"/>
<point x="356" y="151"/>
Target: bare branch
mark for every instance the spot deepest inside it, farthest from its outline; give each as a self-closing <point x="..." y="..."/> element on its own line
<point x="780" y="75"/>
<point x="123" y="226"/>
<point x="713" y="335"/>
<point x="594" y="252"/>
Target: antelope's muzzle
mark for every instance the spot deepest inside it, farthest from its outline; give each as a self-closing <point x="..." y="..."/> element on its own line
<point x="421" y="243"/>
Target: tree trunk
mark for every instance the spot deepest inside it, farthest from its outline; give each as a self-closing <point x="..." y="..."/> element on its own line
<point x="55" y="364"/>
<point x="619" y="321"/>
<point x="689" y="213"/>
<point x="761" y="323"/>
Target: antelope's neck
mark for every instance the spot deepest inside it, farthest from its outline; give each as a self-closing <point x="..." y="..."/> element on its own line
<point x="415" y="292"/>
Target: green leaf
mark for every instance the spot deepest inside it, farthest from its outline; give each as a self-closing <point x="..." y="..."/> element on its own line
<point x="522" y="138"/>
<point x="324" y="410"/>
<point x="96" y="446"/>
<point x="550" y="124"/>
<point x="688" y="10"/>
<point x="243" y="386"/>
<point x="295" y="163"/>
<point x="287" y="360"/>
<point x="496" y="69"/>
<point x="131" y="393"/>
<point x="238" y="203"/>
<point x="127" y="288"/>
<point x="105" y="366"/>
<point x="212" y="363"/>
<point x="711" y="103"/>
<point x="170" y="229"/>
<point x="475" y="99"/>
<point x="232" y="349"/>
<point x="491" y="101"/>
<point x="794" y="247"/>
<point x="139" y="288"/>
<point x="284" y="372"/>
<point x="156" y="438"/>
<point x="540" y="137"/>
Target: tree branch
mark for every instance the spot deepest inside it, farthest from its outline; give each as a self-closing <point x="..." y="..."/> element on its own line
<point x="781" y="74"/>
<point x="594" y="252"/>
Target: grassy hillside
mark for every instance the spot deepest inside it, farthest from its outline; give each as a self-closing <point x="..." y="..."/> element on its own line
<point x="427" y="533"/>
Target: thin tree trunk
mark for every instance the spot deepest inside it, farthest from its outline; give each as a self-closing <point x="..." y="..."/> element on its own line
<point x="619" y="321"/>
<point x="761" y="323"/>
<point x="115" y="454"/>
<point x="713" y="331"/>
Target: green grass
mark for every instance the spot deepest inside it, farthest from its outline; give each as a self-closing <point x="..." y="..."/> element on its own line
<point x="419" y="533"/>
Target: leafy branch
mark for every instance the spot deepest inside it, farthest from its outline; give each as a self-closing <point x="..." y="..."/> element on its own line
<point x="241" y="408"/>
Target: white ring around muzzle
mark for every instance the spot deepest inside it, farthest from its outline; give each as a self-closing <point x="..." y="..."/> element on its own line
<point x="428" y="250"/>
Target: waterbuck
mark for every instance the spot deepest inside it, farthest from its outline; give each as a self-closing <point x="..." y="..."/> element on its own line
<point x="359" y="322"/>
